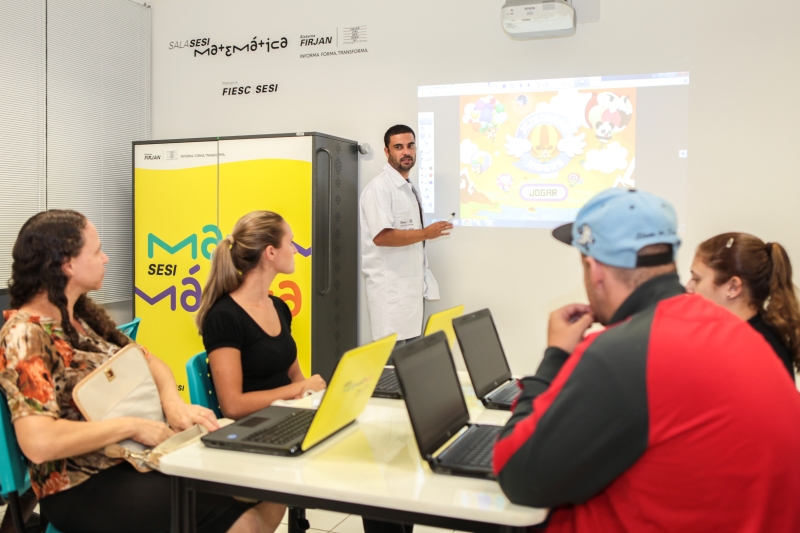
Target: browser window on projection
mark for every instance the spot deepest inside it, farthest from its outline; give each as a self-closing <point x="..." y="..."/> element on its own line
<point x="529" y="154"/>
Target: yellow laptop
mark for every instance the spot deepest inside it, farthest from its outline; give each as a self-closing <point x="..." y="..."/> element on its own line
<point x="443" y="321"/>
<point x="388" y="386"/>
<point x="290" y="431"/>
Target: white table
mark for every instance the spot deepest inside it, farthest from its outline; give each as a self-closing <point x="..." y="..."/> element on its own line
<point x="371" y="468"/>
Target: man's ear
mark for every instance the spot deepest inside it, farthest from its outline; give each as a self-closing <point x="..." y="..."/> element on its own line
<point x="386" y="151"/>
<point x="595" y="273"/>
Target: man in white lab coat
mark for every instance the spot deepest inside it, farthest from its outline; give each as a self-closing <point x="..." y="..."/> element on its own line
<point x="393" y="239"/>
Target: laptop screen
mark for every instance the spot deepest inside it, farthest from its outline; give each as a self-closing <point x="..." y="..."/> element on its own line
<point x="350" y="388"/>
<point x="443" y="321"/>
<point x="483" y="354"/>
<point x="431" y="390"/>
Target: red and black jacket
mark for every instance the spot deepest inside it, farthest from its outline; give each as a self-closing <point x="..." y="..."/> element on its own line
<point x="679" y="417"/>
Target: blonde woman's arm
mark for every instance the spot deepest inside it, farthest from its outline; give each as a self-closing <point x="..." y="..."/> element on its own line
<point x="226" y="369"/>
<point x="295" y="374"/>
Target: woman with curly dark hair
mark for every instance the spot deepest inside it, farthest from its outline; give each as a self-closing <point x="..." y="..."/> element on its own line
<point x="56" y="336"/>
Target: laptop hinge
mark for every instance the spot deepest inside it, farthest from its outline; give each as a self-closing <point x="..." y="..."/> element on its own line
<point x="450" y="441"/>
<point x="500" y="386"/>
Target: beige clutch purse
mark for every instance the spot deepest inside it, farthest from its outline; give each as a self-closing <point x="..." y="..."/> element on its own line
<point x="124" y="386"/>
<point x="145" y="460"/>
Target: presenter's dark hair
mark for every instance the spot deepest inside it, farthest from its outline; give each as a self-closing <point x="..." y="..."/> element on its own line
<point x="237" y="255"/>
<point x="45" y="242"/>
<point x="766" y="273"/>
<point x="398" y="129"/>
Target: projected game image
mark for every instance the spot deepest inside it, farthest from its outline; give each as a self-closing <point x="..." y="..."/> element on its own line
<point x="531" y="153"/>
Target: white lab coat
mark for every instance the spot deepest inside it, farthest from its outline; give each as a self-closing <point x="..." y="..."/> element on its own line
<point x="396" y="278"/>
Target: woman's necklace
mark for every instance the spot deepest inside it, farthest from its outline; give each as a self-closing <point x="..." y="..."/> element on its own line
<point x="258" y="305"/>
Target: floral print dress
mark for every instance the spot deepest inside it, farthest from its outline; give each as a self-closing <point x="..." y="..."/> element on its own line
<point x="38" y="371"/>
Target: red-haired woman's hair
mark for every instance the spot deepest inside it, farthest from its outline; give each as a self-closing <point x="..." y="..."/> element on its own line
<point x="766" y="273"/>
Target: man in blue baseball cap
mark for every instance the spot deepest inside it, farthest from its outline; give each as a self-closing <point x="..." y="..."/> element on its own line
<point x="630" y="235"/>
<point x="677" y="417"/>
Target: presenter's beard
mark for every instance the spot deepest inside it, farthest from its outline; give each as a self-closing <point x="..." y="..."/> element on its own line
<point x="403" y="165"/>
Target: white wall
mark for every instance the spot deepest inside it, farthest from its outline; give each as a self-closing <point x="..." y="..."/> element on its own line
<point x="743" y="59"/>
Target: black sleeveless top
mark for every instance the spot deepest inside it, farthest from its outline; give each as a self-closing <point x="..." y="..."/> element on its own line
<point x="265" y="359"/>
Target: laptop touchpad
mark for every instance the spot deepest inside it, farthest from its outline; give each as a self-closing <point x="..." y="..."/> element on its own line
<point x="253" y="422"/>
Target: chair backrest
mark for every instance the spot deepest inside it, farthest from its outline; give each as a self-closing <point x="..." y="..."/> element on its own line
<point x="131" y="329"/>
<point x="13" y="467"/>
<point x="201" y="390"/>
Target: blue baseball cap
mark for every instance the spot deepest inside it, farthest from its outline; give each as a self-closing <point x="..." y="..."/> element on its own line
<point x="615" y="224"/>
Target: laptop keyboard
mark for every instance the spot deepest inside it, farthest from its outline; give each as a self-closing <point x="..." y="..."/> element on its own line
<point x="290" y="428"/>
<point x="388" y="381"/>
<point x="476" y="450"/>
<point x="506" y="394"/>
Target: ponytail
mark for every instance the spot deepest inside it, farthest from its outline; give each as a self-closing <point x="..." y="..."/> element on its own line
<point x="781" y="310"/>
<point x="223" y="279"/>
<point x="237" y="255"/>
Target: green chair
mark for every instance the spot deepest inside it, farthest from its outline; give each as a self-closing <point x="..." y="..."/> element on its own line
<point x="131" y="329"/>
<point x="14" y="480"/>
<point x="201" y="390"/>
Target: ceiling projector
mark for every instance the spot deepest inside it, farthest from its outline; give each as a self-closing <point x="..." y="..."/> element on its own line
<point x="537" y="19"/>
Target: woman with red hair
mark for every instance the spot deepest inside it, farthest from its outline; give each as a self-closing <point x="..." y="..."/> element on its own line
<point x="753" y="280"/>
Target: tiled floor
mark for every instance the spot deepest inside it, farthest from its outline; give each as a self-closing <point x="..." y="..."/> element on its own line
<point x="328" y="521"/>
<point x="4" y="507"/>
<point x="325" y="522"/>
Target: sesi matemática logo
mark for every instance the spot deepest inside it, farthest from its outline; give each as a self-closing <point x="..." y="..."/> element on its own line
<point x="190" y="293"/>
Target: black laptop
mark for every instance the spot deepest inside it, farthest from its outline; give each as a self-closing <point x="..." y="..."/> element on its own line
<point x="438" y="411"/>
<point x="486" y="362"/>
<point x="388" y="386"/>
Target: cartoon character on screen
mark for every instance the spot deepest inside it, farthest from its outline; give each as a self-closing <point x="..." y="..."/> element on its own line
<point x="608" y="114"/>
<point x="574" y="179"/>
<point x="480" y="162"/>
<point x="485" y="116"/>
<point x="505" y="181"/>
<point x="547" y="139"/>
<point x="544" y="142"/>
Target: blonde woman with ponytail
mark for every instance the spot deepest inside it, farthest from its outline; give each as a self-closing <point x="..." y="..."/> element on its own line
<point x="753" y="280"/>
<point x="246" y="331"/>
